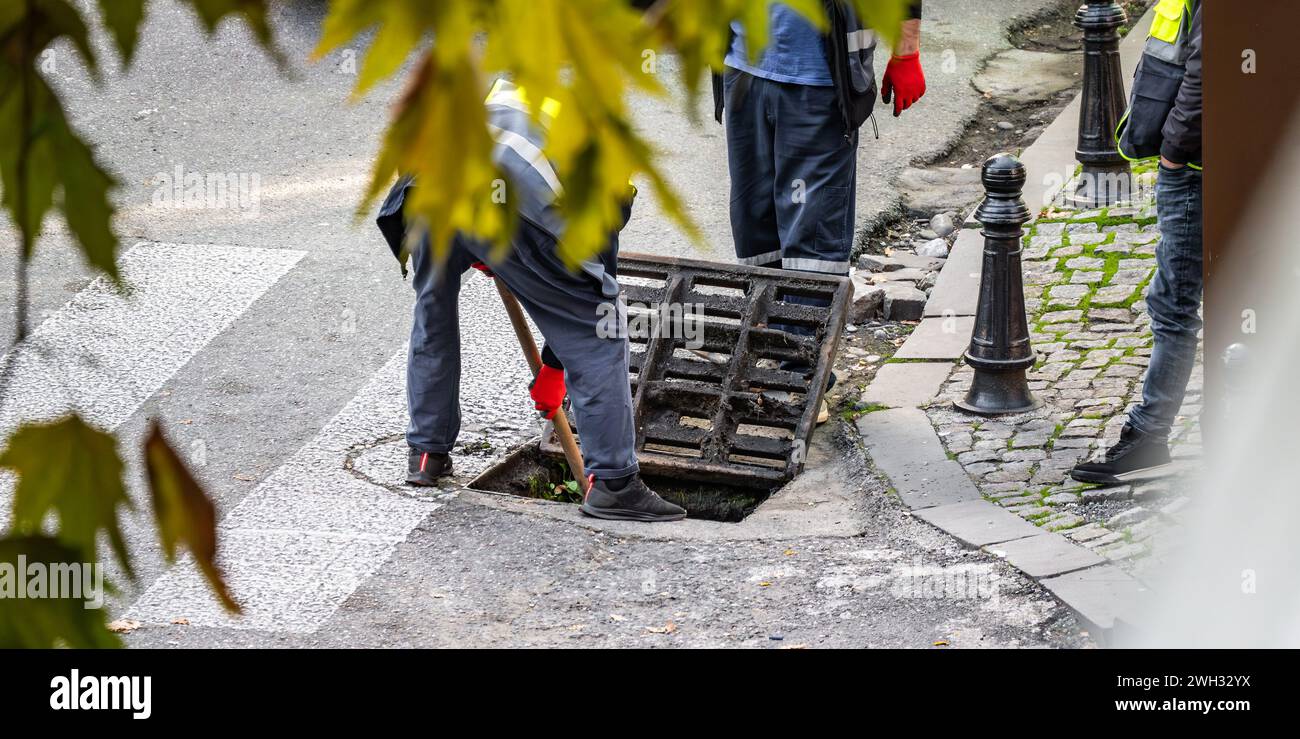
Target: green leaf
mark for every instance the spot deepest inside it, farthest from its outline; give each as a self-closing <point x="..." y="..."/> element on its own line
<point x="84" y="201"/>
<point x="38" y="151"/>
<point x="885" y="16"/>
<point x="54" y="168"/>
<point x="455" y="182"/>
<point x="28" y="174"/>
<point x="584" y="54"/>
<point x="122" y="18"/>
<point x="11" y="14"/>
<point x="51" y="20"/>
<point x="254" y="13"/>
<point x="402" y="25"/>
<point x="72" y="471"/>
<point x="46" y="622"/>
<point x="184" y="513"/>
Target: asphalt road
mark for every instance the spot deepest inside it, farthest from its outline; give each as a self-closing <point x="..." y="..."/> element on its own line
<point x="269" y="337"/>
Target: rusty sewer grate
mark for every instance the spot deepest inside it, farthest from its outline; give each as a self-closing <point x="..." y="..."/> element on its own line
<point x="724" y="410"/>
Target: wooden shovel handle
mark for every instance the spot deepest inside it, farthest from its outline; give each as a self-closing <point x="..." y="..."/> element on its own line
<point x="561" y="422"/>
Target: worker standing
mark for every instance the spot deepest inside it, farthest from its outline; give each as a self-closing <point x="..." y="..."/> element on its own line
<point x="566" y="306"/>
<point x="792" y="118"/>
<point x="1164" y="121"/>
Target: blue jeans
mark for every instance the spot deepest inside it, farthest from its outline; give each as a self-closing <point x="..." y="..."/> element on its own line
<point x="1173" y="300"/>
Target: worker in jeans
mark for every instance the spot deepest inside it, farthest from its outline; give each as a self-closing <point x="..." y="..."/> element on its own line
<point x="1164" y="117"/>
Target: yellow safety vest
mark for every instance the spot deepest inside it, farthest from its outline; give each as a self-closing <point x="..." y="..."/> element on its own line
<point x="1169" y="29"/>
<point x="507" y="93"/>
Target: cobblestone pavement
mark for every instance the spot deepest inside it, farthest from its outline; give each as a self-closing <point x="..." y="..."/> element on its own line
<point x="1086" y="275"/>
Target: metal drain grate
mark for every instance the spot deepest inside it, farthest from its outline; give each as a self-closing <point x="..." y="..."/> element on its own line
<point x="725" y="410"/>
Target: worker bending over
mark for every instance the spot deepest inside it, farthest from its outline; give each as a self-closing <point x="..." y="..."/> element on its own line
<point x="565" y="305"/>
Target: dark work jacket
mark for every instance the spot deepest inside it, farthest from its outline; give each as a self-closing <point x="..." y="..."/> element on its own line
<point x="391" y="220"/>
<point x="1164" y="113"/>
<point x="1182" y="128"/>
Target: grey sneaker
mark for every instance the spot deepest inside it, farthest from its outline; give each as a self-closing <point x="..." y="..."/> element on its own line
<point x="635" y="502"/>
<point x="424" y="468"/>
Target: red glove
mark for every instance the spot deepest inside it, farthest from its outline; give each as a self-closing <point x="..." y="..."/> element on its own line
<point x="904" y="82"/>
<point x="547" y="390"/>
<point x="481" y="267"/>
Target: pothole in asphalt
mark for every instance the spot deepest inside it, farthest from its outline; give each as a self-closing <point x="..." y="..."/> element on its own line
<point x="383" y="462"/>
<point x="528" y="473"/>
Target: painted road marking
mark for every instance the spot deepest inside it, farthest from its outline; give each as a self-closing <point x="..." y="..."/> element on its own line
<point x="104" y="354"/>
<point x="296" y="547"/>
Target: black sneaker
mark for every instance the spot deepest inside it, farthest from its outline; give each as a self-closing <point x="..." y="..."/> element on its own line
<point x="424" y="468"/>
<point x="635" y="502"/>
<point x="1135" y="456"/>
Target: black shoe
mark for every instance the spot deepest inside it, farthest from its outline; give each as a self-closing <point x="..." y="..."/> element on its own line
<point x="424" y="468"/>
<point x="1134" y="457"/>
<point x="635" y="502"/>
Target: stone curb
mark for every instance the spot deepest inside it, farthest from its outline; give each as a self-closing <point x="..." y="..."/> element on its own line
<point x="906" y="448"/>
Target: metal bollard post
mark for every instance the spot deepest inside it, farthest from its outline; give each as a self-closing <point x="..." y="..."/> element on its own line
<point x="1000" y="350"/>
<point x="1106" y="178"/>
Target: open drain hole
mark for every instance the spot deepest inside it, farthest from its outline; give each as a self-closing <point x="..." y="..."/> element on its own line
<point x="528" y="473"/>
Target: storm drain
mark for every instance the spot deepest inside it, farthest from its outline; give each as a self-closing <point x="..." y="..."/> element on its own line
<point x="528" y="473"/>
<point x="728" y="367"/>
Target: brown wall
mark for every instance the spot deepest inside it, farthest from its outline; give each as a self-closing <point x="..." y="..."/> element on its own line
<point x="1247" y="118"/>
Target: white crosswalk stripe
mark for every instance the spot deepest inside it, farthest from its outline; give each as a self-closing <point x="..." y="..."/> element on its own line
<point x="313" y="531"/>
<point x="104" y="354"/>
<point x="308" y="535"/>
<point x="296" y="547"/>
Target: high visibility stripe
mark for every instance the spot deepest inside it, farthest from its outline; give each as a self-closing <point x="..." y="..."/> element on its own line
<point x="510" y="95"/>
<point x="861" y="39"/>
<point x="510" y="101"/>
<point x="506" y="94"/>
<point x="1119" y="147"/>
<point x="825" y="266"/>
<point x="1135" y="160"/>
<point x="761" y="260"/>
<point x="529" y="153"/>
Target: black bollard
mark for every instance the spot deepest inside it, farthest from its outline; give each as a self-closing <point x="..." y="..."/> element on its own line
<point x="1106" y="178"/>
<point x="1000" y="350"/>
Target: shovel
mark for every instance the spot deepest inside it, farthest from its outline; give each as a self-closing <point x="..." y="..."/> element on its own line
<point x="561" y="422"/>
